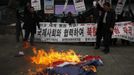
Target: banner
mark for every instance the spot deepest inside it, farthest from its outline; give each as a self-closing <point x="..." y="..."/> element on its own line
<point x="63" y="32"/>
<point x="49" y="6"/>
<point x="124" y="30"/>
<point x="79" y="5"/>
<point x="36" y="4"/>
<point x="120" y="6"/>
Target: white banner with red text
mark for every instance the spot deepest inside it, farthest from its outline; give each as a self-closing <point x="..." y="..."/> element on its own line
<point x="85" y="32"/>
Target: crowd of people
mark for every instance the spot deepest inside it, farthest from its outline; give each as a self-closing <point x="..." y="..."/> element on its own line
<point x="104" y="17"/>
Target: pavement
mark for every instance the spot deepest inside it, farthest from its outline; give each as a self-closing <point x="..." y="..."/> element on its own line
<point x="120" y="61"/>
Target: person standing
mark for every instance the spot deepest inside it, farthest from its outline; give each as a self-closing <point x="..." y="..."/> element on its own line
<point x="31" y="20"/>
<point x="80" y="18"/>
<point x="70" y="18"/>
<point x="105" y="26"/>
<point x="19" y="20"/>
<point x="95" y="11"/>
<point x="63" y="18"/>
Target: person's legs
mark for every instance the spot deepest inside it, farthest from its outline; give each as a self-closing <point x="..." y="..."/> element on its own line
<point x="113" y="41"/>
<point x="18" y="30"/>
<point x="25" y="40"/>
<point x="107" y="39"/>
<point x="32" y="38"/>
<point x="27" y="32"/>
<point x="98" y="40"/>
<point x="18" y="35"/>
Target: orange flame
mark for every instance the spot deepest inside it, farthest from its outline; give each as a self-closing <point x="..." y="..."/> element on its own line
<point x="48" y="58"/>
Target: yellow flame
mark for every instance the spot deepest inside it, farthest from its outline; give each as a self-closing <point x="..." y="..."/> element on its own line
<point x="48" y="58"/>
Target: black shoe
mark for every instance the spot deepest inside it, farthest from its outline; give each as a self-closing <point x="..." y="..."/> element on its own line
<point x="96" y="47"/>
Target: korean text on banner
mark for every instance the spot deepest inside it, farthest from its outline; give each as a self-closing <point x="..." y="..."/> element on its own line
<point x="63" y="32"/>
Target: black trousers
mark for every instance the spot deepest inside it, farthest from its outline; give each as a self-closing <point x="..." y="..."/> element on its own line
<point x="106" y="34"/>
<point x="27" y="33"/>
<point x="18" y="30"/>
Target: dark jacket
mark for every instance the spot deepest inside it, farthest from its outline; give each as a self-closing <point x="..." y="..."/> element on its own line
<point x="110" y="20"/>
<point x="30" y="22"/>
<point x="19" y="19"/>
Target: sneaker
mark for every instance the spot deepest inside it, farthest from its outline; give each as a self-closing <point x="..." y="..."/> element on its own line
<point x="20" y="53"/>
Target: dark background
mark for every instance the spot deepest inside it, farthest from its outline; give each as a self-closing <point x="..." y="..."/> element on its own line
<point x="87" y="2"/>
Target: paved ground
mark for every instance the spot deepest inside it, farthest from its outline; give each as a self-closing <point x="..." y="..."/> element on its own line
<point x="118" y="62"/>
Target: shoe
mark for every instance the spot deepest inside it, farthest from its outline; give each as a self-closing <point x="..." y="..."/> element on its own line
<point x="20" y="53"/>
<point x="96" y="47"/>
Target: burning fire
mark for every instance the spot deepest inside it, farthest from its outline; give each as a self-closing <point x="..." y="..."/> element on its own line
<point x="52" y="57"/>
<point x="48" y="61"/>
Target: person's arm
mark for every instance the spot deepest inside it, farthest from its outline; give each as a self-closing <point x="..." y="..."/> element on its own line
<point x="99" y="6"/>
